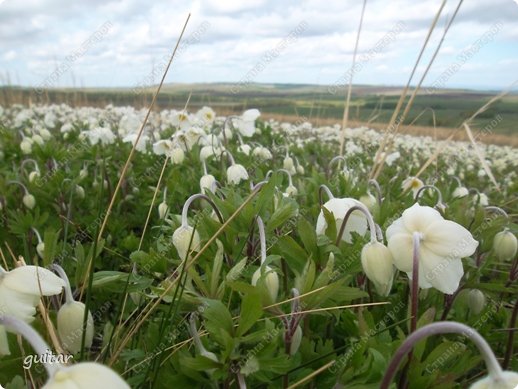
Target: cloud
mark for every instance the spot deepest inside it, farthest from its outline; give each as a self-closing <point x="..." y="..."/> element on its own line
<point x="38" y="36"/>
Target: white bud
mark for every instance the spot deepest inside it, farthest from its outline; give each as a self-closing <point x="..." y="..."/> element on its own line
<point x="70" y="326"/>
<point x="291" y="191"/>
<point x="182" y="238"/>
<point x="262" y="152"/>
<point x="245" y="149"/>
<point x="80" y="192"/>
<point x="505" y="380"/>
<point x="271" y="280"/>
<point x="26" y="146"/>
<point x="295" y="341"/>
<point x="83" y="173"/>
<point x="378" y="265"/>
<point x="289" y="165"/>
<point x="460" y="192"/>
<point x="40" y="249"/>
<point x="177" y="155"/>
<point x="162" y="210"/>
<point x="505" y="245"/>
<point x="33" y="175"/>
<point x="236" y="173"/>
<point x="38" y="139"/>
<point x="206" y="183"/>
<point x="300" y="169"/>
<point x="29" y="201"/>
<point x="370" y="202"/>
<point x="476" y="301"/>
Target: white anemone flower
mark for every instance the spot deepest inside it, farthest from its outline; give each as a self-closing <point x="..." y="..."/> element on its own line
<point x="20" y="293"/>
<point x="246" y="122"/>
<point x="142" y="142"/>
<point x="338" y="207"/>
<point x="236" y="173"/>
<point x="412" y="183"/>
<point x="442" y="244"/>
<point x="162" y="147"/>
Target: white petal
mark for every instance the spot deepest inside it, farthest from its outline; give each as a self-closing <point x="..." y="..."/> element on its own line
<point x="397" y="227"/>
<point x="401" y="247"/>
<point x="444" y="274"/>
<point x="19" y="305"/>
<point x="418" y="218"/>
<point x="449" y="239"/>
<point x="33" y="280"/>
<point x="4" y="344"/>
<point x="86" y="375"/>
<point x="356" y="223"/>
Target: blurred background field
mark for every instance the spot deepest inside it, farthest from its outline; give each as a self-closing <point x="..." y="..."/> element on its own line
<point x="434" y="114"/>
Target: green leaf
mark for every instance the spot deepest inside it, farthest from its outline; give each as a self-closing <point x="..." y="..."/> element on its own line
<point x="51" y="246"/>
<point x="251" y="311"/>
<point x="286" y="211"/>
<point x="308" y="236"/>
<point x="217" y="317"/>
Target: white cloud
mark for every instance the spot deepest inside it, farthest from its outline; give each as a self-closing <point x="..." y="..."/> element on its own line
<point x="38" y="34"/>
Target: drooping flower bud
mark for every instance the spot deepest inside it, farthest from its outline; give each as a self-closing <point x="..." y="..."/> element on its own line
<point x="295" y="341"/>
<point x="505" y="245"/>
<point x="370" y="202"/>
<point x="460" y="192"/>
<point x="80" y="192"/>
<point x="236" y="173"/>
<point x="289" y="165"/>
<point x="40" y="249"/>
<point x="33" y="175"/>
<point x="378" y="265"/>
<point x="206" y="183"/>
<point x="70" y="326"/>
<point x="182" y="238"/>
<point x="83" y="173"/>
<point x="476" y="301"/>
<point x="29" y="201"/>
<point x="177" y="155"/>
<point x="245" y="149"/>
<point x="271" y="280"/>
<point x="26" y="146"/>
<point x="162" y="210"/>
<point x="291" y="191"/>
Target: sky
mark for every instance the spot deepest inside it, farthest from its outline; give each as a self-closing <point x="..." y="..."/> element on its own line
<point x="105" y="43"/>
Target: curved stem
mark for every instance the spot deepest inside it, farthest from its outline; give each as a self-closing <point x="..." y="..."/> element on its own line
<point x="337" y="158"/>
<point x="37" y="234"/>
<point x="444" y="327"/>
<point x="204" y="167"/>
<point x="35" y="340"/>
<point x="13" y="182"/>
<point x="194" y="334"/>
<point x="24" y="162"/>
<point x="376" y="186"/>
<point x="230" y="157"/>
<point x="362" y="208"/>
<point x="165" y="193"/>
<point x="457" y="179"/>
<point x="424" y="187"/>
<point x="262" y="238"/>
<point x="492" y="208"/>
<point x="185" y="210"/>
<point x="510" y="338"/>
<point x="328" y="192"/>
<point x="69" y="298"/>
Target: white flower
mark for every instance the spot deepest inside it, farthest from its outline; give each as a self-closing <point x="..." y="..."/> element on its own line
<point x="70" y="326"/>
<point x="289" y="165"/>
<point x="262" y="152"/>
<point x="391" y="158"/>
<point x="20" y="290"/>
<point x="206" y="115"/>
<point x="338" y="207"/>
<point x="209" y="151"/>
<point x="102" y="135"/>
<point x="26" y="145"/>
<point x="442" y="245"/>
<point x="85" y="375"/>
<point x="412" y="183"/>
<point x="236" y="173"/>
<point x="163" y="147"/>
<point x="246" y="123"/>
<point x="142" y="142"/>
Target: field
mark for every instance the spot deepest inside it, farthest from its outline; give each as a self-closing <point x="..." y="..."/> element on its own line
<point x="432" y="113"/>
<point x="212" y="251"/>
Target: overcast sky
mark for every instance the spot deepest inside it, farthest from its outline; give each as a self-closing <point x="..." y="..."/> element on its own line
<point x="119" y="43"/>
